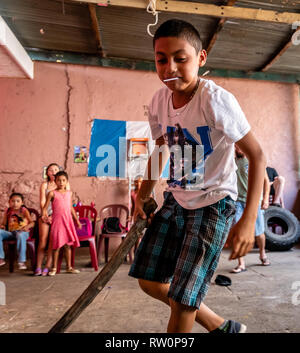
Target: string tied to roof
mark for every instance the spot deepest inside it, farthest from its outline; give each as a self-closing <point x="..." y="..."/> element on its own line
<point x="151" y="8"/>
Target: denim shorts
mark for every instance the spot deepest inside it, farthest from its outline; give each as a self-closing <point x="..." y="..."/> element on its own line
<point x="260" y="220"/>
<point x="182" y="247"/>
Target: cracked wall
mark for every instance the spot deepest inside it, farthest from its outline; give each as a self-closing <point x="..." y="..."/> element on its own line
<point x="42" y="120"/>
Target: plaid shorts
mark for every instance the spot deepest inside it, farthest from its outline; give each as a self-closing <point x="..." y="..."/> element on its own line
<point x="183" y="247"/>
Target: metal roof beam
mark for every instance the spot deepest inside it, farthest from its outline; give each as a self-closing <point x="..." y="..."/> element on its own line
<point x="196" y="8"/>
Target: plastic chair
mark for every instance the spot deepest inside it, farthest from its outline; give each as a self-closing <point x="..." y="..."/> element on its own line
<point x="33" y="235"/>
<point x="120" y="211"/>
<point x="90" y="213"/>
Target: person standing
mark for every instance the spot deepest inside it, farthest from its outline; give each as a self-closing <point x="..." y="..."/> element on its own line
<point x="242" y="183"/>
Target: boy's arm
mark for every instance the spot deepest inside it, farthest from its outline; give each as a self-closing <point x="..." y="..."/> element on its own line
<point x="154" y="169"/>
<point x="242" y="233"/>
<point x="266" y="193"/>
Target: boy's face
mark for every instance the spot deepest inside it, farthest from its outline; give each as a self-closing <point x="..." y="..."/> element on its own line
<point x="176" y="57"/>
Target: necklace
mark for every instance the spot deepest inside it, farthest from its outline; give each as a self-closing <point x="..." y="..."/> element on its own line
<point x="185" y="107"/>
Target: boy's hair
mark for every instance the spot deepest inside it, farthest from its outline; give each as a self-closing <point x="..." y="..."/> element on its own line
<point x="51" y="165"/>
<point x="58" y="174"/>
<point x="16" y="194"/>
<point x="179" y="29"/>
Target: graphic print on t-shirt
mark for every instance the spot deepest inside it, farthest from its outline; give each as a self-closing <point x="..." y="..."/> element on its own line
<point x="187" y="156"/>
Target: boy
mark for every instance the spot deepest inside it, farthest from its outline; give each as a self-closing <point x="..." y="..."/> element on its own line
<point x="242" y="182"/>
<point x="180" y="250"/>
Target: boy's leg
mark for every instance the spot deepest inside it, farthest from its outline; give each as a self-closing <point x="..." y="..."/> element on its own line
<point x="22" y="245"/>
<point x="278" y="187"/>
<point x="182" y="318"/>
<point x="204" y="316"/>
<point x="260" y="236"/>
<point x="261" y="241"/>
<point x="240" y="267"/>
<point x="156" y="246"/>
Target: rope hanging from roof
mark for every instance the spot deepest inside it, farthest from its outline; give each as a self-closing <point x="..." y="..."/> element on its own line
<point x="151" y="8"/>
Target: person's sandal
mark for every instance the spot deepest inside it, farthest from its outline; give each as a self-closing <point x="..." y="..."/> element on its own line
<point x="52" y="272"/>
<point x="45" y="272"/>
<point x="72" y="270"/>
<point x="38" y="271"/>
<point x="238" y="269"/>
<point x="265" y="261"/>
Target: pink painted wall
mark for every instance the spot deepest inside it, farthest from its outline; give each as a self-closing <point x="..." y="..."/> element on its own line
<point x="42" y="120"/>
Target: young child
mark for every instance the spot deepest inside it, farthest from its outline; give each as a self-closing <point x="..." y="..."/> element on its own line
<point x="180" y="250"/>
<point x="63" y="232"/>
<point x="17" y="221"/>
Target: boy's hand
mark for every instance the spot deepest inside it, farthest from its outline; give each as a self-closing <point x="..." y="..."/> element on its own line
<point x="242" y="237"/>
<point x="138" y="211"/>
<point x="2" y="226"/>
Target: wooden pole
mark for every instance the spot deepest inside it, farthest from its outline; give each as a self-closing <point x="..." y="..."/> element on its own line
<point x="106" y="273"/>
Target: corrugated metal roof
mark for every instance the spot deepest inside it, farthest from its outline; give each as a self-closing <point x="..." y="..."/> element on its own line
<point x="246" y="45"/>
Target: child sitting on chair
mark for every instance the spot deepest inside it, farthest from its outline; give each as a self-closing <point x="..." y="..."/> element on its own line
<point x="17" y="221"/>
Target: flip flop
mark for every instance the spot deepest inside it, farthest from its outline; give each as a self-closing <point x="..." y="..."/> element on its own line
<point x="223" y="280"/>
<point x="238" y="270"/>
<point x="38" y="271"/>
<point x="265" y="261"/>
<point x="45" y="272"/>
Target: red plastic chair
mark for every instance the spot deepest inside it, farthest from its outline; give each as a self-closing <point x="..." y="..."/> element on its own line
<point x="33" y="236"/>
<point x="90" y="213"/>
<point x="120" y="211"/>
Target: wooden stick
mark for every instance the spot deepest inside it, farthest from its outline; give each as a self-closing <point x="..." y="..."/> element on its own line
<point x="106" y="273"/>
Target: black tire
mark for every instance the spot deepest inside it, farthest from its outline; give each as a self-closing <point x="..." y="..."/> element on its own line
<point x="289" y="225"/>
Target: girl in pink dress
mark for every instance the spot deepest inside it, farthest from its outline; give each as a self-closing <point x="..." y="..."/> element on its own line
<point x="63" y="232"/>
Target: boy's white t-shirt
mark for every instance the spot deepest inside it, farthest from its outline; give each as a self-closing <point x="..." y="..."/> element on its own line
<point x="213" y="120"/>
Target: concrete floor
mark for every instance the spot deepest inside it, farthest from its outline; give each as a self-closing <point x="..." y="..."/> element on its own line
<point x="261" y="297"/>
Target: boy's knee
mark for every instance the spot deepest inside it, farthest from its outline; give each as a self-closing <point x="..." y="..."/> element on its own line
<point x="177" y="307"/>
<point x="151" y="288"/>
<point x="145" y="286"/>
